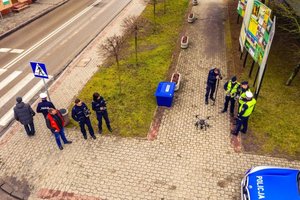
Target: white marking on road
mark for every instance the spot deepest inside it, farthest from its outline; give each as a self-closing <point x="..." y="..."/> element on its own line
<point x="2" y="71"/>
<point x="26" y="98"/>
<point x="25" y="53"/>
<point x="5" y="50"/>
<point x="13" y="91"/>
<point x="9" y="78"/>
<point x="17" y="51"/>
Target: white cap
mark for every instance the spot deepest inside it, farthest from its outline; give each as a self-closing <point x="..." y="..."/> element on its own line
<point x="249" y="94"/>
<point x="43" y="95"/>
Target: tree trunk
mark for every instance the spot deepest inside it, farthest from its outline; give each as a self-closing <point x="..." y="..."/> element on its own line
<point x="135" y="44"/>
<point x="119" y="74"/>
<point x="293" y="75"/>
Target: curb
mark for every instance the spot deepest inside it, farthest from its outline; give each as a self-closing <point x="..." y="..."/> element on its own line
<point x="31" y="20"/>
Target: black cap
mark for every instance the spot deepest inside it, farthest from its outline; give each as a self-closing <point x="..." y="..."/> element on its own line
<point x="244" y="83"/>
<point x="19" y="99"/>
<point x="233" y="79"/>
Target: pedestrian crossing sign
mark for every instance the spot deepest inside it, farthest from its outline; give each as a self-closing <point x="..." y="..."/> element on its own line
<point x="39" y="70"/>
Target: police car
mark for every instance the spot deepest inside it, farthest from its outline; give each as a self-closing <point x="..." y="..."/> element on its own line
<point x="271" y="183"/>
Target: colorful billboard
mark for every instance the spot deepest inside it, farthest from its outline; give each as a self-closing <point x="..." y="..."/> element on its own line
<point x="257" y="34"/>
<point x="5" y="4"/>
<point x="242" y="7"/>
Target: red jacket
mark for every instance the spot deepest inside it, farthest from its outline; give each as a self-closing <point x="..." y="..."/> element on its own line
<point x="53" y="124"/>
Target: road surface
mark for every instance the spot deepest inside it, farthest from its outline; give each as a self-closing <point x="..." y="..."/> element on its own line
<point x="55" y="39"/>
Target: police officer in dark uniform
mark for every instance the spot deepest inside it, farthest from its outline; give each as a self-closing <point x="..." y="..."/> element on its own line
<point x="44" y="105"/>
<point x="213" y="75"/>
<point x="99" y="106"/>
<point x="81" y="114"/>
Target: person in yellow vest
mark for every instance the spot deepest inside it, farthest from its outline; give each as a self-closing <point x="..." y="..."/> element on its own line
<point x="245" y="110"/>
<point x="231" y="87"/>
<point x="242" y="92"/>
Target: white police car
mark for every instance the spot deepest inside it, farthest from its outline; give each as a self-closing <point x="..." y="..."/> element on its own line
<point x="271" y="183"/>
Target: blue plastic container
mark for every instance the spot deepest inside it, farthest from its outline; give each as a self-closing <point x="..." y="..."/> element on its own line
<point x="165" y="93"/>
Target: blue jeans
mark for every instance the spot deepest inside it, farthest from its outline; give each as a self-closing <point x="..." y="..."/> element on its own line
<point x="61" y="135"/>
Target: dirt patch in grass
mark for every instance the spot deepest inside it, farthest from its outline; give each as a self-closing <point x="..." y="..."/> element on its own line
<point x="274" y="125"/>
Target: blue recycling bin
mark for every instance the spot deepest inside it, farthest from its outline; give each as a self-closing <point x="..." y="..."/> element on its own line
<point x="165" y="93"/>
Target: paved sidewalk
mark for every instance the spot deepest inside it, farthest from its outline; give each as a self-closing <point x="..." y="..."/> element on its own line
<point x="14" y="20"/>
<point x="182" y="163"/>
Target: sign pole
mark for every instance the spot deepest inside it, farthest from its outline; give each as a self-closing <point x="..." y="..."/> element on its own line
<point x="245" y="59"/>
<point x="256" y="76"/>
<point x="262" y="78"/>
<point x="252" y="66"/>
<point x="46" y="89"/>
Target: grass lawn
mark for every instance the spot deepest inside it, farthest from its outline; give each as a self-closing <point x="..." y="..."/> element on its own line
<point x="275" y="124"/>
<point x="131" y="112"/>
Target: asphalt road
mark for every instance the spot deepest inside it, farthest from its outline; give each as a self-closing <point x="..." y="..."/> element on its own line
<point x="55" y="39"/>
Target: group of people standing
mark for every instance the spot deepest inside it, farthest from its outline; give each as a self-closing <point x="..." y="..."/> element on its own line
<point x="235" y="91"/>
<point x="55" y="121"/>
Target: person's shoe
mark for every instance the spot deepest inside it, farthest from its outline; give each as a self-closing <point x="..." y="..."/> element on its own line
<point x="213" y="99"/>
<point x="85" y="137"/>
<point x="110" y="129"/>
<point x="100" y="131"/>
<point x="231" y="115"/>
<point x="223" y="111"/>
<point x="206" y="102"/>
<point x="94" y="137"/>
<point x="61" y="148"/>
<point x="68" y="142"/>
<point x="244" y="132"/>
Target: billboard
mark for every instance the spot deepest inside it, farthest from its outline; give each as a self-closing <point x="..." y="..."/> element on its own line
<point x="258" y="32"/>
<point x="245" y="23"/>
<point x="5" y="4"/>
<point x="242" y="7"/>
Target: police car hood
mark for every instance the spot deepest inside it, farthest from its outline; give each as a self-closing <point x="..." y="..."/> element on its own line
<point x="268" y="183"/>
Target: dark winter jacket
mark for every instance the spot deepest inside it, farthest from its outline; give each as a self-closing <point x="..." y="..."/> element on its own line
<point x="44" y="106"/>
<point x="55" y="122"/>
<point x="99" y="105"/>
<point x="80" y="113"/>
<point x="212" y="77"/>
<point x="23" y="113"/>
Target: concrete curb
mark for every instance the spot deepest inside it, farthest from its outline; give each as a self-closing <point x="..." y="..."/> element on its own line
<point x="31" y="20"/>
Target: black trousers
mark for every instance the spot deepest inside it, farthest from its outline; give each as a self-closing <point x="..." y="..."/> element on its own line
<point x="87" y="122"/>
<point x="29" y="128"/>
<point x="241" y="121"/>
<point x="103" y="114"/>
<point x="232" y="103"/>
<point x="210" y="90"/>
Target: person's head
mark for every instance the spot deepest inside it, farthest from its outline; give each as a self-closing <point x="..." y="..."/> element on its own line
<point x="43" y="96"/>
<point x="249" y="95"/>
<point x="233" y="79"/>
<point x="96" y="96"/>
<point x="217" y="71"/>
<point x="244" y="84"/>
<point x="78" y="102"/>
<point x="19" y="99"/>
<point x="52" y="111"/>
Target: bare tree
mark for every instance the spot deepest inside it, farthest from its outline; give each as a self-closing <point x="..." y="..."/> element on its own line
<point x="112" y="48"/>
<point x="154" y="2"/>
<point x="133" y="25"/>
<point x="289" y="23"/>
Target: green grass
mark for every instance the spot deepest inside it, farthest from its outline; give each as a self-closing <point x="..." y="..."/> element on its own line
<point x="275" y="122"/>
<point x="274" y="125"/>
<point x="132" y="111"/>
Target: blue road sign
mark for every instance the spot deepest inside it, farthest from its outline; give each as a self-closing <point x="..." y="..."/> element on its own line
<point x="39" y="70"/>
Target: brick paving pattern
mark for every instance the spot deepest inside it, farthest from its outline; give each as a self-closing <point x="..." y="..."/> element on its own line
<point x="182" y="163"/>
